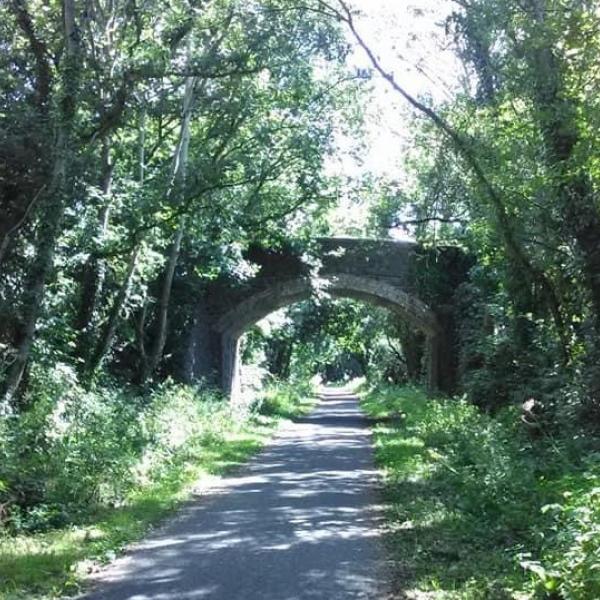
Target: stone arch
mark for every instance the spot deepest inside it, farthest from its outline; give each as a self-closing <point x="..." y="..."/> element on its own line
<point x="231" y="325"/>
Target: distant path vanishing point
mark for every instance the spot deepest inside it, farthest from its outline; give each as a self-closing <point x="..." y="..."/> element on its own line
<point x="300" y="521"/>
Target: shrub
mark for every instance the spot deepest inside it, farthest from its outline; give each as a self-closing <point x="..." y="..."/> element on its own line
<point x="497" y="511"/>
<point x="569" y="565"/>
<point x="284" y="399"/>
<point x="75" y="449"/>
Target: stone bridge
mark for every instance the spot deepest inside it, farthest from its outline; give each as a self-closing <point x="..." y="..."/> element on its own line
<point x="416" y="283"/>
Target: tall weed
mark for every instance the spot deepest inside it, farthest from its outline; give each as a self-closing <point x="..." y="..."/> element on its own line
<point x="480" y="508"/>
<point x="75" y="449"/>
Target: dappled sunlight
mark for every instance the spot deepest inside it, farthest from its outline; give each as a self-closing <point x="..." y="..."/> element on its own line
<point x="300" y="521"/>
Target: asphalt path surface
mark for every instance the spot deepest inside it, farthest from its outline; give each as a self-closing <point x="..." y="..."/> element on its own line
<point x="300" y="521"/>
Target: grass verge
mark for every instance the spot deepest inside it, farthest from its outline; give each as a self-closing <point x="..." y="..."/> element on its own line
<point x="54" y="563"/>
<point x="477" y="509"/>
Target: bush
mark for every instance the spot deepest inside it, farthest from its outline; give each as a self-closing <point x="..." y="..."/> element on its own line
<point x="75" y="449"/>
<point x="141" y="455"/>
<point x="285" y="399"/>
<point x="480" y="460"/>
<point x="480" y="507"/>
<point x="569" y="566"/>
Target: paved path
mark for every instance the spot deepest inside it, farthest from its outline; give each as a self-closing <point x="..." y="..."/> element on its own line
<point x="299" y="522"/>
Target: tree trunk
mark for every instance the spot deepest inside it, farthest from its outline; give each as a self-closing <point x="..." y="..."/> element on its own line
<point x="105" y="343"/>
<point x="94" y="269"/>
<point x="155" y="355"/>
<point x="150" y="361"/>
<point x="50" y="222"/>
<point x="94" y="359"/>
<point x="52" y="212"/>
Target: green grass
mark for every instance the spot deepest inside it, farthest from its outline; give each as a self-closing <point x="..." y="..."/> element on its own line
<point x="465" y="495"/>
<point x="54" y="563"/>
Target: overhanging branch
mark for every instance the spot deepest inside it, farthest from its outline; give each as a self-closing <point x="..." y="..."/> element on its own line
<point x="515" y="252"/>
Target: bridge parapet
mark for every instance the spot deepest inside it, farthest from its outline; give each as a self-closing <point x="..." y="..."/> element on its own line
<point x="382" y="259"/>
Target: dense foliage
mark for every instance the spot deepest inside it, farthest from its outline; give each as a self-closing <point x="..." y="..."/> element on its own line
<point x="143" y="148"/>
<point x="486" y="507"/>
<point x="84" y="472"/>
<point x="337" y="341"/>
<point x="146" y="146"/>
<point x="507" y="170"/>
<point x="142" y="145"/>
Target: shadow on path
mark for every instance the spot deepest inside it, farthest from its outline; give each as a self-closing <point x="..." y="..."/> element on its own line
<point x="299" y="522"/>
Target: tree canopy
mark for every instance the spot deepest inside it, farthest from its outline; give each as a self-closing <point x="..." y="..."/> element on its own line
<point x="148" y="146"/>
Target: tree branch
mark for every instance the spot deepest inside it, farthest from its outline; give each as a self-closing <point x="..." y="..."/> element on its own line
<point x="429" y="220"/>
<point x="40" y="52"/>
<point x="534" y="274"/>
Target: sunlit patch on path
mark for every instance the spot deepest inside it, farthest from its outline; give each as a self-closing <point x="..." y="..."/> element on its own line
<point x="300" y="521"/>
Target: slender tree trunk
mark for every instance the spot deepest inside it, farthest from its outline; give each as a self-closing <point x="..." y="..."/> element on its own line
<point x="150" y="361"/>
<point x="140" y="332"/>
<point x="142" y="146"/>
<point x="106" y="340"/>
<point x="158" y="345"/>
<point x="104" y="344"/>
<point x="94" y="270"/>
<point x="52" y="212"/>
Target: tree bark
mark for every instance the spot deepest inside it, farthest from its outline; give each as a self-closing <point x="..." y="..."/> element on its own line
<point x="51" y="214"/>
<point x="150" y="361"/>
<point x="110" y="329"/>
<point x="155" y="355"/>
<point x="94" y="269"/>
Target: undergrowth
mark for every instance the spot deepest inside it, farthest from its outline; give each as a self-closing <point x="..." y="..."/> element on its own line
<point x="84" y="473"/>
<point x="480" y="509"/>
